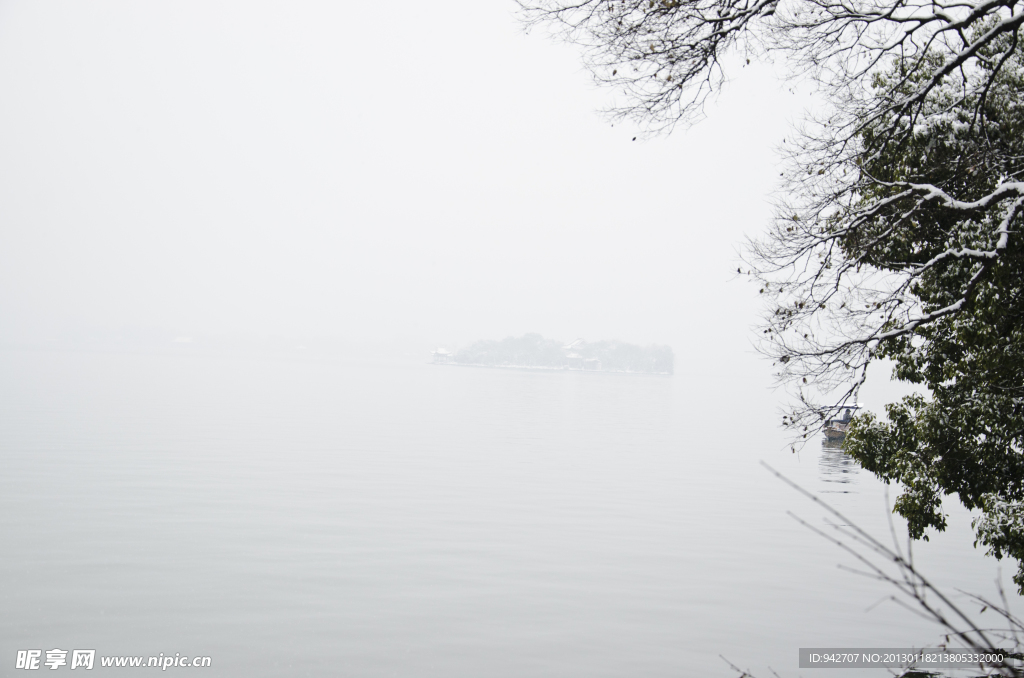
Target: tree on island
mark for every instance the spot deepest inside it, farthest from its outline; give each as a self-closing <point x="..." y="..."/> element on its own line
<point x="529" y="350"/>
<point x="898" y="233"/>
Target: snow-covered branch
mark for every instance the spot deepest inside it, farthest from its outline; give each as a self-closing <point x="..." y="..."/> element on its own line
<point x="898" y="231"/>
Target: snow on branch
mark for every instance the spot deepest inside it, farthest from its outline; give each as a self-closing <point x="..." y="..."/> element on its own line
<point x="902" y="201"/>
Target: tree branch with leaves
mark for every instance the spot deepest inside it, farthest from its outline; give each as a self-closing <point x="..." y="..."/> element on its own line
<point x="897" y="234"/>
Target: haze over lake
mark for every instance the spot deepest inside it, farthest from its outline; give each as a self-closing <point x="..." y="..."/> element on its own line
<point x="297" y="514"/>
<point x="231" y="234"/>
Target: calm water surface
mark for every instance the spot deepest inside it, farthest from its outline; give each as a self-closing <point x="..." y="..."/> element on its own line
<point x="326" y="518"/>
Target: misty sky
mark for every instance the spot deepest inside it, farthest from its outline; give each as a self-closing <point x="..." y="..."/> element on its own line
<point x="366" y="170"/>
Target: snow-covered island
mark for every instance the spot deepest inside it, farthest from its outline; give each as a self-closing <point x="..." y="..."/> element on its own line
<point x="535" y="352"/>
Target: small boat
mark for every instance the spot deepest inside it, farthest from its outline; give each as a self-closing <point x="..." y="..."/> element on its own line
<point x="835" y="429"/>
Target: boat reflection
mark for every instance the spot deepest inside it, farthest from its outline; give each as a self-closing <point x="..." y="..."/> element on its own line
<point x="837" y="467"/>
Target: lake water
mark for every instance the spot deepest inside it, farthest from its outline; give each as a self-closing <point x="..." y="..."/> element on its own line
<point x="299" y="516"/>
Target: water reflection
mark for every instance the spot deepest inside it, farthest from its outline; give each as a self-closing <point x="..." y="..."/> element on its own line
<point x="837" y="467"/>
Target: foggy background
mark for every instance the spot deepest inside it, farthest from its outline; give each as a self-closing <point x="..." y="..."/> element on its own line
<point x="421" y="174"/>
<point x="323" y="179"/>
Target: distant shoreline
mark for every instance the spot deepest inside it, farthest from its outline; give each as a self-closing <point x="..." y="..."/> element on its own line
<point x="534" y="352"/>
<point x="544" y="368"/>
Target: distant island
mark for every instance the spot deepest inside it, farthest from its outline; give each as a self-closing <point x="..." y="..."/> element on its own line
<point x="535" y="352"/>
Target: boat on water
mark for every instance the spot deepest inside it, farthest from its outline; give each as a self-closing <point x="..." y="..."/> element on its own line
<point x="835" y="429"/>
